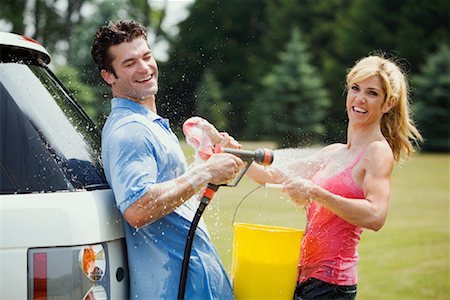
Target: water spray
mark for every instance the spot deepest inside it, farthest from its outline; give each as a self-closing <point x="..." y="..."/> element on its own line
<point x="260" y="156"/>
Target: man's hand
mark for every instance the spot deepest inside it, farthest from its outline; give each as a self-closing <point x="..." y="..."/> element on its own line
<point x="223" y="167"/>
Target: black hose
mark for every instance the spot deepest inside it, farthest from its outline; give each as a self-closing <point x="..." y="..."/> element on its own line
<point x="211" y="188"/>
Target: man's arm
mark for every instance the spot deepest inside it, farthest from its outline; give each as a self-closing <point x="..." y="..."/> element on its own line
<point x="163" y="198"/>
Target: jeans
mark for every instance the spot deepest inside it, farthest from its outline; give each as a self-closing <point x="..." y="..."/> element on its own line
<point x="315" y="289"/>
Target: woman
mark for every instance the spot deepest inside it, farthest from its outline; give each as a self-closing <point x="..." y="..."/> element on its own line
<point x="346" y="187"/>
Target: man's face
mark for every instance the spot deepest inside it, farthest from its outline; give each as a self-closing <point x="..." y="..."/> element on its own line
<point x="136" y="71"/>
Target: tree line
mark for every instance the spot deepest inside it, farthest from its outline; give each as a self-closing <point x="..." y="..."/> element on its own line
<point x="259" y="69"/>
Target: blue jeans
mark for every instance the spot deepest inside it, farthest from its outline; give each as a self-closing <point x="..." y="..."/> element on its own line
<point x="315" y="289"/>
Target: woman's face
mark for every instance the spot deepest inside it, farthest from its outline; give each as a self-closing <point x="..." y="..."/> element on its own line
<point x="365" y="101"/>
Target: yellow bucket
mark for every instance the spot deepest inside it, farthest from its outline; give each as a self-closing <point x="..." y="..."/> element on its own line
<point x="265" y="260"/>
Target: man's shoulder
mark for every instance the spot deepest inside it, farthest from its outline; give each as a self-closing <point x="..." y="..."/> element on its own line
<point x="126" y="121"/>
<point x="125" y="127"/>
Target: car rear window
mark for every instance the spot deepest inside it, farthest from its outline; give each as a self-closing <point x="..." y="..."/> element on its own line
<point x="47" y="143"/>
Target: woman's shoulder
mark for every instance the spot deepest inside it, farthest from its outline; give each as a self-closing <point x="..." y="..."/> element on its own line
<point x="332" y="148"/>
<point x="379" y="155"/>
<point x="328" y="152"/>
<point x="379" y="148"/>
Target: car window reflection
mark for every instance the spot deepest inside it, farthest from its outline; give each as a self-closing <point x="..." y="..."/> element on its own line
<point x="47" y="144"/>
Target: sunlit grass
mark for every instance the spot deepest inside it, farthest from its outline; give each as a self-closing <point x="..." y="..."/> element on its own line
<point x="407" y="259"/>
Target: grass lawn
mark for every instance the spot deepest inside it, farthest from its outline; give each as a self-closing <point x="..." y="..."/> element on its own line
<point x="407" y="259"/>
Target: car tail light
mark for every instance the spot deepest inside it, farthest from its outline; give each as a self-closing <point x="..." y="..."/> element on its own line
<point x="40" y="275"/>
<point x="78" y="272"/>
<point x="96" y="293"/>
<point x="92" y="262"/>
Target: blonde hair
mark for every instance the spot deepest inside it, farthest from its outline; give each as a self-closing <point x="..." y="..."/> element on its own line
<point x="397" y="125"/>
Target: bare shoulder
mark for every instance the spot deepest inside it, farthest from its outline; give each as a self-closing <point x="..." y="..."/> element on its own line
<point x="330" y="150"/>
<point x="319" y="156"/>
<point x="379" y="149"/>
<point x="378" y="157"/>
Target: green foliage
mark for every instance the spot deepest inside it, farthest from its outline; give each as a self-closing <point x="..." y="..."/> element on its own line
<point x="432" y="100"/>
<point x="239" y="42"/>
<point x="79" y="54"/>
<point x="82" y="92"/>
<point x="409" y="29"/>
<point x="221" y="36"/>
<point x="68" y="35"/>
<point x="13" y="11"/>
<point x="293" y="102"/>
<point x="210" y="103"/>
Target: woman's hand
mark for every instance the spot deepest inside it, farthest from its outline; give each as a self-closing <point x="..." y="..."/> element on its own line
<point x="300" y="190"/>
<point x="228" y="141"/>
<point x="221" y="138"/>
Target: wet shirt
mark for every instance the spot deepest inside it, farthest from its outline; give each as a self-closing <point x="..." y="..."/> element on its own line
<point x="329" y="246"/>
<point x="139" y="149"/>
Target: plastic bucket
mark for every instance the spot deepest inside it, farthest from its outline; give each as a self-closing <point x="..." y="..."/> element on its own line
<point x="265" y="259"/>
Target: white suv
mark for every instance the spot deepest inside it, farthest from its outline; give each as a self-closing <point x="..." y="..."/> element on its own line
<point x="61" y="236"/>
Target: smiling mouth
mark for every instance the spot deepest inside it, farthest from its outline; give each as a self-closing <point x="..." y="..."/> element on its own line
<point x="359" y="110"/>
<point x="146" y="79"/>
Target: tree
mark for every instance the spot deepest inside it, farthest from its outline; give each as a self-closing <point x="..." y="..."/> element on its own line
<point x="408" y="29"/>
<point x="68" y="33"/>
<point x="222" y="36"/>
<point x="241" y="45"/>
<point x="432" y="101"/>
<point x="293" y="102"/>
<point x="210" y="103"/>
<point x="14" y="12"/>
<point x="239" y="42"/>
<point x="81" y="91"/>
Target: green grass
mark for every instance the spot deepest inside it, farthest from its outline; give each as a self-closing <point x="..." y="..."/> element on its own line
<point x="407" y="259"/>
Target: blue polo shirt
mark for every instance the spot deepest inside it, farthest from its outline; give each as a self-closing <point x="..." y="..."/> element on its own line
<point x="139" y="149"/>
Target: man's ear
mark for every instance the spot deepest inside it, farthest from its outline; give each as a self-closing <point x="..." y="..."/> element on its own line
<point x="107" y="76"/>
<point x="388" y="105"/>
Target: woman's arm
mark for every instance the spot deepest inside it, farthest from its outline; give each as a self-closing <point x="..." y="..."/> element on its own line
<point x="369" y="212"/>
<point x="286" y="166"/>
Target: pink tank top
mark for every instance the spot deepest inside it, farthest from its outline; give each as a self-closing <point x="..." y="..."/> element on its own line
<point x="328" y="249"/>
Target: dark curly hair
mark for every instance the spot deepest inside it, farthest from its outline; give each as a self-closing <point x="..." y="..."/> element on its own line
<point x="113" y="34"/>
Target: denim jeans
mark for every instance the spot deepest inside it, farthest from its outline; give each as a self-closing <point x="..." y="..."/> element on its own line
<point x="315" y="289"/>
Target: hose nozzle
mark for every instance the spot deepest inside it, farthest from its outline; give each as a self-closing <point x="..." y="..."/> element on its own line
<point x="261" y="156"/>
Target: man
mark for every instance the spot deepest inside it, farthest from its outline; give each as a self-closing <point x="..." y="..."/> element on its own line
<point x="146" y="169"/>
